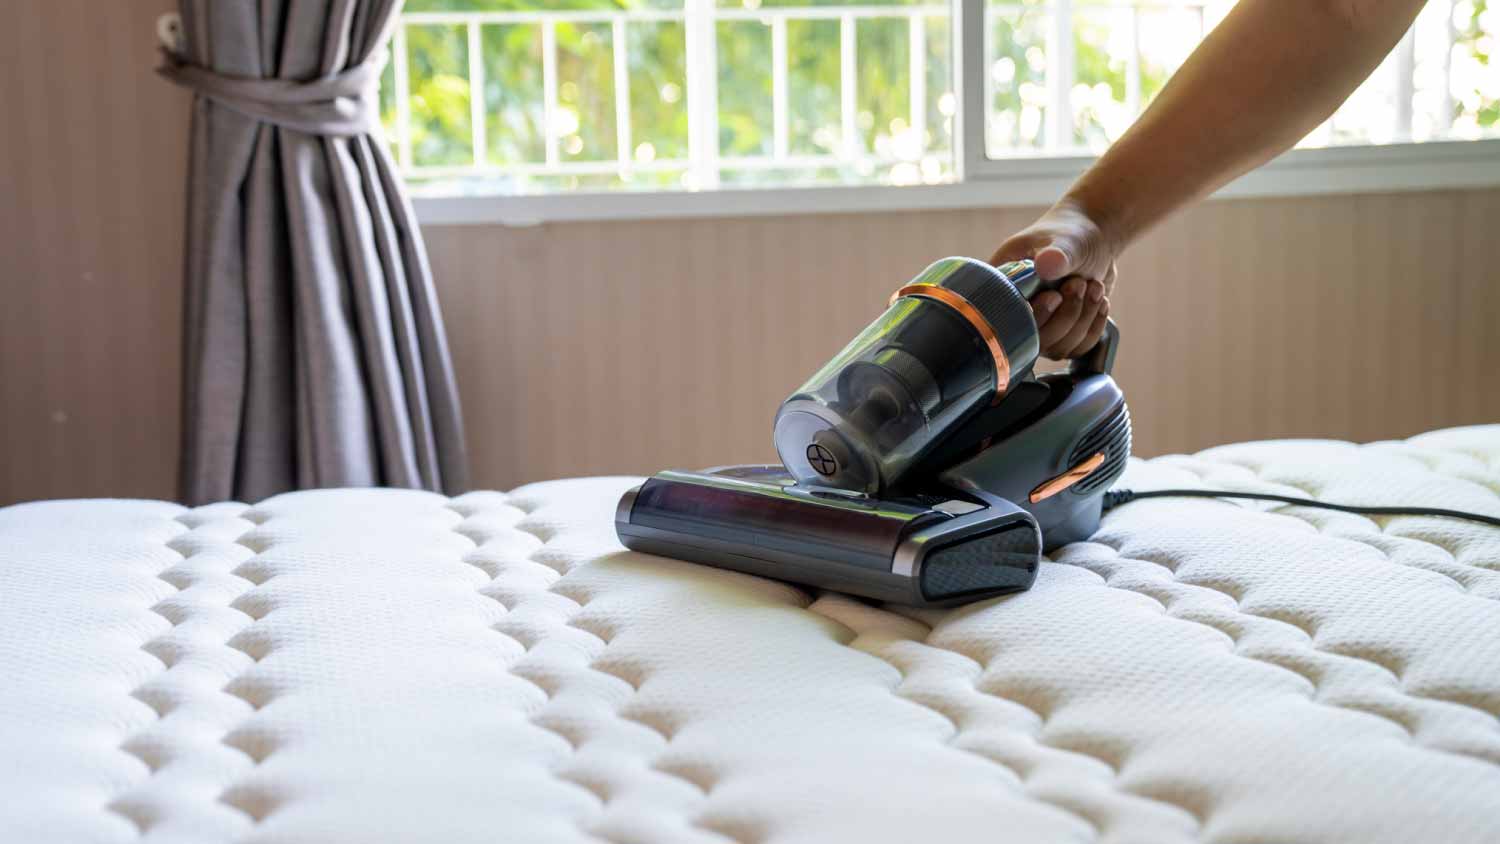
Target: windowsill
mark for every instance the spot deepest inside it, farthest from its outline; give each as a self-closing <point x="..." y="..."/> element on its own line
<point x="1008" y="183"/>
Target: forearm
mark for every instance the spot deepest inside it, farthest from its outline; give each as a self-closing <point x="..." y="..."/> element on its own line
<point x="1269" y="74"/>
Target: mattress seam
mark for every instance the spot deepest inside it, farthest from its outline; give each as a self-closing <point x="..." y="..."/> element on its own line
<point x="571" y="620"/>
<point x="119" y="805"/>
<point x="231" y="795"/>
<point x="546" y="695"/>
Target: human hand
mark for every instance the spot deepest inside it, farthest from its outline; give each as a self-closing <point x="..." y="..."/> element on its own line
<point x="1066" y="244"/>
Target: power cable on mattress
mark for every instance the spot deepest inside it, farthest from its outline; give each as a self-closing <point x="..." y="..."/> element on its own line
<point x="1117" y="497"/>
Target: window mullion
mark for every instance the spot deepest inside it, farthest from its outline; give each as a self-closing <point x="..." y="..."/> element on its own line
<point x="1447" y="106"/>
<point x="779" y="98"/>
<point x="403" y="96"/>
<point x="1406" y="62"/>
<point x="848" y="92"/>
<point x="702" y="92"/>
<point x="917" y="73"/>
<point x="1133" y="66"/>
<point x="478" y="143"/>
<point x="1060" y="77"/>
<point x="619" y="45"/>
<point x="971" y="86"/>
<point x="549" y="91"/>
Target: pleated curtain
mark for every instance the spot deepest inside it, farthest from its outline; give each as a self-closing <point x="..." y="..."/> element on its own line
<point x="314" y="347"/>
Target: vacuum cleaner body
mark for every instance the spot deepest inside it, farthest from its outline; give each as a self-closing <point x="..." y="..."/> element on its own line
<point x="924" y="465"/>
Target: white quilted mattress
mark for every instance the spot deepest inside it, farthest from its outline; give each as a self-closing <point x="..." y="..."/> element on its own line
<point x="396" y="666"/>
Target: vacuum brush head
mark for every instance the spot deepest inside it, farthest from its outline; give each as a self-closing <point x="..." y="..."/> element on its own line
<point x="756" y="520"/>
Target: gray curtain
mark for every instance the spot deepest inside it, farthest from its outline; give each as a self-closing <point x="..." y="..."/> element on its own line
<point x="314" y="348"/>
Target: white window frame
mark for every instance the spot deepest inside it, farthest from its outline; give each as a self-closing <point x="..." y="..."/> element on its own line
<point x="981" y="182"/>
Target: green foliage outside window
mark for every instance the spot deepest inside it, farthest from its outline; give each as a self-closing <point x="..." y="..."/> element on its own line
<point x="885" y="142"/>
<point x="1478" y="37"/>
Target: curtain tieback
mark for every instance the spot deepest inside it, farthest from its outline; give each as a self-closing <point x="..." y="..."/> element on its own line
<point x="344" y="104"/>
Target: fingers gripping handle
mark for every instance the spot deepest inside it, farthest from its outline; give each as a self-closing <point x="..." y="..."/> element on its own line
<point x="1100" y="360"/>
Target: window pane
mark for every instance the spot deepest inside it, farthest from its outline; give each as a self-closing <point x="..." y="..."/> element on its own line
<point x="1475" y="68"/>
<point x="744" y="77"/>
<point x="1457" y="86"/>
<point x="813" y="87"/>
<point x="1016" y="67"/>
<point x="440" y="128"/>
<point x="1105" y="85"/>
<point x="514" y="116"/>
<point x="883" y="86"/>
<point x="1440" y="83"/>
<point x="658" y="89"/>
<point x="1166" y="38"/>
<point x="942" y="104"/>
<point x="585" y="119"/>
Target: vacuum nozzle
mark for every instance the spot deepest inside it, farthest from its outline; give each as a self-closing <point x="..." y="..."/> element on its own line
<point x="754" y="519"/>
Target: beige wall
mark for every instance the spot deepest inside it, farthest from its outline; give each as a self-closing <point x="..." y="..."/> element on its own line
<point x="92" y="146"/>
<point x="629" y="346"/>
<point x="619" y="347"/>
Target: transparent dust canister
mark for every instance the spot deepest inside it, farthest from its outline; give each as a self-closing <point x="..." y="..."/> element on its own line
<point x="949" y="344"/>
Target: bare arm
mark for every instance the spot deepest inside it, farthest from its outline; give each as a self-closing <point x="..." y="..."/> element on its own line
<point x="1269" y="74"/>
<point x="1265" y="77"/>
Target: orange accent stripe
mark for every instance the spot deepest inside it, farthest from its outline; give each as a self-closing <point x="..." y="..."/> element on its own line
<point x="975" y="318"/>
<point x="1067" y="479"/>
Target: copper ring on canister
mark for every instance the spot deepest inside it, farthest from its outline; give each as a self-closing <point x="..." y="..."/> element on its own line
<point x="966" y="310"/>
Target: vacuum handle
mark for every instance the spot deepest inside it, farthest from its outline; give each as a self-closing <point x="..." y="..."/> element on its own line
<point x="1024" y="276"/>
<point x="1100" y="360"/>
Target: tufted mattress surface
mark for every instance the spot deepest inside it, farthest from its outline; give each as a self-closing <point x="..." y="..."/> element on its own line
<point x="377" y="665"/>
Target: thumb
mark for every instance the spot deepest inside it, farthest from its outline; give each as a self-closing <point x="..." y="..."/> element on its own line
<point x="1053" y="263"/>
<point x="1020" y="246"/>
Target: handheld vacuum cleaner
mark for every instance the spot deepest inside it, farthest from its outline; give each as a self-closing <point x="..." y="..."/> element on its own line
<point x="926" y="464"/>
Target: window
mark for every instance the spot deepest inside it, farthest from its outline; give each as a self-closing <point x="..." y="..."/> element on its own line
<point x="660" y="95"/>
<point x="539" y="97"/>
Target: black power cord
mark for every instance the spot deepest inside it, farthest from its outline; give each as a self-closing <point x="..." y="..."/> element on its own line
<point x="1115" y="498"/>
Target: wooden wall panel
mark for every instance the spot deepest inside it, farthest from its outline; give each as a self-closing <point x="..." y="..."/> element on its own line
<point x="621" y="347"/>
<point x="592" y="348"/>
<point x="92" y="145"/>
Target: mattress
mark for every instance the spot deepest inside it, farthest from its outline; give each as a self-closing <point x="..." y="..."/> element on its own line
<point x="379" y="665"/>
